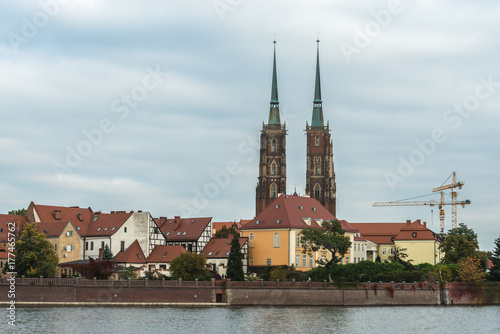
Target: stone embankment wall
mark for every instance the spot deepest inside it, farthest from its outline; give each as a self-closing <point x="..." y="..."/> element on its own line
<point x="71" y="290"/>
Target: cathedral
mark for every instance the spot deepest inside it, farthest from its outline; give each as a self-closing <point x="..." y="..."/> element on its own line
<point x="320" y="175"/>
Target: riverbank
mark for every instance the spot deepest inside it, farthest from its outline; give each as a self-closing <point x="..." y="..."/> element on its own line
<point x="83" y="292"/>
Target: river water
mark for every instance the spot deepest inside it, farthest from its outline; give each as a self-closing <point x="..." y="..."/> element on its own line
<point x="154" y="320"/>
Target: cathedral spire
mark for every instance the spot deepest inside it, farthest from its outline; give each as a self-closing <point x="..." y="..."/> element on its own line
<point x="317" y="117"/>
<point x="274" y="112"/>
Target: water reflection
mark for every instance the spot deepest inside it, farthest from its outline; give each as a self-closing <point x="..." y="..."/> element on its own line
<point x="429" y="319"/>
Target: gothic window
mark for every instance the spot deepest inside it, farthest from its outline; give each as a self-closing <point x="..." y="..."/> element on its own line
<point x="316" y="169"/>
<point x="276" y="242"/>
<point x="273" y="145"/>
<point x="317" y="140"/>
<point x="273" y="169"/>
<point x="273" y="190"/>
<point x="317" y="191"/>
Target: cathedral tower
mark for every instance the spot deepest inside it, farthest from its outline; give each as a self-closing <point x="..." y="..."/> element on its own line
<point x="272" y="164"/>
<point x="320" y="175"/>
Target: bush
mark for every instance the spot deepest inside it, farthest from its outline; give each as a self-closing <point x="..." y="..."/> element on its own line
<point x="278" y="273"/>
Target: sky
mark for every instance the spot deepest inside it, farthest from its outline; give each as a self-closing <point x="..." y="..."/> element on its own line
<point x="158" y="105"/>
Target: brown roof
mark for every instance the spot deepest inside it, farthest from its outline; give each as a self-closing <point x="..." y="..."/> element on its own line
<point x="379" y="233"/>
<point x="165" y="254"/>
<point x="133" y="255"/>
<point x="106" y="224"/>
<point x="289" y="211"/>
<point x="182" y="229"/>
<point x="79" y="217"/>
<point x="417" y="231"/>
<point x="5" y="228"/>
<point x="53" y="229"/>
<point x="4" y="253"/>
<point x="218" y="225"/>
<point x="220" y="247"/>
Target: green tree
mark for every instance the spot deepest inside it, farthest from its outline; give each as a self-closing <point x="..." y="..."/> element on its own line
<point x="127" y="273"/>
<point x="459" y="243"/>
<point x="224" y="232"/>
<point x="35" y="256"/>
<point x="331" y="237"/>
<point x="470" y="270"/>
<point x="189" y="266"/>
<point x="495" y="258"/>
<point x="235" y="261"/>
<point x="278" y="273"/>
<point x="106" y="253"/>
<point x="399" y="255"/>
<point x="19" y="212"/>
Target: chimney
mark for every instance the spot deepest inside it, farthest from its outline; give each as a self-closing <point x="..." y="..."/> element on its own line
<point x="101" y="254"/>
<point x="177" y="217"/>
<point x="419" y="221"/>
<point x="80" y="216"/>
<point x="425" y="224"/>
<point x="408" y="222"/>
<point x="57" y="214"/>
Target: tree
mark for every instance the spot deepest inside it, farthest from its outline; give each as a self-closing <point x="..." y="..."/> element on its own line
<point x="224" y="232"/>
<point x="235" y="261"/>
<point x="495" y="258"/>
<point x="127" y="273"/>
<point x="459" y="243"/>
<point x="331" y="237"/>
<point x="106" y="253"/>
<point x="399" y="256"/>
<point x="470" y="270"/>
<point x="35" y="256"/>
<point x="19" y="212"/>
<point x="189" y="266"/>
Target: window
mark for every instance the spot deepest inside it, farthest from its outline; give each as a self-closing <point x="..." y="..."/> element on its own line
<point x="276" y="240"/>
<point x="354" y="260"/>
<point x="87" y="245"/>
<point x="273" y="190"/>
<point x="297" y="240"/>
<point x="168" y="233"/>
<point x="273" y="145"/>
<point x="347" y="259"/>
<point x="317" y="140"/>
<point x="268" y="262"/>
<point x="304" y="260"/>
<point x="69" y="248"/>
<point x="392" y="251"/>
<point x="278" y="221"/>
<point x="102" y="244"/>
<point x="384" y="251"/>
<point x="311" y="261"/>
<point x="317" y="190"/>
<point x="55" y="248"/>
<point x="250" y="240"/>
<point x="323" y="258"/>
<point x="69" y="233"/>
<point x="91" y="245"/>
<point x="316" y="169"/>
<point x="297" y="259"/>
<point x="273" y="169"/>
<point x="179" y="233"/>
<point x="163" y="266"/>
<point x="414" y="234"/>
<point x="251" y="260"/>
<point x="277" y="206"/>
<point x="122" y="246"/>
<point x="124" y="230"/>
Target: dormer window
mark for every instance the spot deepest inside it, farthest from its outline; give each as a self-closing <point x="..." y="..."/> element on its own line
<point x="98" y="229"/>
<point x="301" y="207"/>
<point x="168" y="233"/>
<point x="179" y="233"/>
<point x="184" y="233"/>
<point x="278" y="221"/>
<point x="257" y="222"/>
<point x="277" y="206"/>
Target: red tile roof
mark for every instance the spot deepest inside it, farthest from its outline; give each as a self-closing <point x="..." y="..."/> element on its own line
<point x="5" y="228"/>
<point x="107" y="224"/>
<point x="289" y="211"/>
<point x="220" y="247"/>
<point x="4" y="253"/>
<point x="165" y="254"/>
<point x="417" y="231"/>
<point x="182" y="229"/>
<point x="387" y="233"/>
<point x="53" y="229"/>
<point x="79" y="217"/>
<point x="216" y="226"/>
<point x="132" y="255"/>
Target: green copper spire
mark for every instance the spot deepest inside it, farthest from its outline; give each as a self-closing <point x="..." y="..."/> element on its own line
<point x="317" y="118"/>
<point x="274" y="112"/>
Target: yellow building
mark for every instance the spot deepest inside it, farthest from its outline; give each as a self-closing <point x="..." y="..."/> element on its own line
<point x="274" y="235"/>
<point x="422" y="245"/>
<point x="64" y="237"/>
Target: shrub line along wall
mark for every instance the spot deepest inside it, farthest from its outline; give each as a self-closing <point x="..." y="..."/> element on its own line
<point x="262" y="293"/>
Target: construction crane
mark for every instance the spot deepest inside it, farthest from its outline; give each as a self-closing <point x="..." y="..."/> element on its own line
<point x="454" y="184"/>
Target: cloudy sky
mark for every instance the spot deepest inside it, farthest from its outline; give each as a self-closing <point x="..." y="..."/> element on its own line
<point x="158" y="105"/>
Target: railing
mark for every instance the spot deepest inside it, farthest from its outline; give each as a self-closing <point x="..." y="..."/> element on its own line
<point x="217" y="284"/>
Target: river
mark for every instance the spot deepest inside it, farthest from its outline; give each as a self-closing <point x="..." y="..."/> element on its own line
<point x="154" y="320"/>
